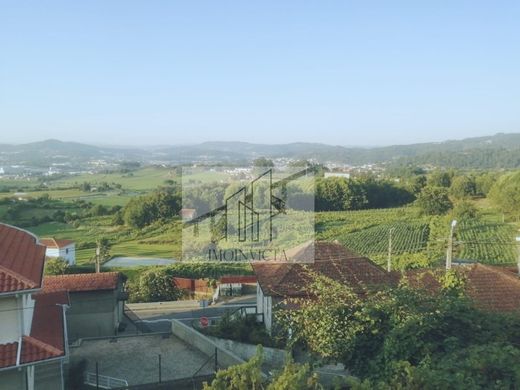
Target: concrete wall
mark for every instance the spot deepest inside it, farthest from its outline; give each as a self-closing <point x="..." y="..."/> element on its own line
<point x="189" y="335"/>
<point x="264" y="304"/>
<point x="10" y="320"/>
<point x="12" y="379"/>
<point x="47" y="376"/>
<point x="272" y="357"/>
<point x="92" y="314"/>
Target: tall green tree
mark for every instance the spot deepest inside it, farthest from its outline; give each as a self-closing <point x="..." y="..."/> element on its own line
<point x="440" y="179"/>
<point x="505" y="194"/>
<point x="434" y="201"/>
<point x="463" y="187"/>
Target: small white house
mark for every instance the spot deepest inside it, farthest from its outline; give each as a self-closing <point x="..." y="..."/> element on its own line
<point x="65" y="249"/>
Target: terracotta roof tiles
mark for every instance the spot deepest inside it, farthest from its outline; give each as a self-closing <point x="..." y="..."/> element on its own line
<point x="21" y="260"/>
<point x="53" y="243"/>
<point x="330" y="259"/>
<point x="82" y="282"/>
<point x="8" y="354"/>
<point x="491" y="288"/>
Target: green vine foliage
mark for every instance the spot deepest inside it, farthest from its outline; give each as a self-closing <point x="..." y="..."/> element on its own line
<point x="406" y="337"/>
<point x="248" y="376"/>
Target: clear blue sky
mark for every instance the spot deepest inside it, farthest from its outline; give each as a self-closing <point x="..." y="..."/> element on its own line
<point x="337" y="72"/>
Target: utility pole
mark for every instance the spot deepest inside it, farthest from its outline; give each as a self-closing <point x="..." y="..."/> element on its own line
<point x="389" y="259"/>
<point x="449" y="253"/>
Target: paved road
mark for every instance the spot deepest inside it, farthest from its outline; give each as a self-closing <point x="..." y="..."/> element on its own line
<point x="157" y="317"/>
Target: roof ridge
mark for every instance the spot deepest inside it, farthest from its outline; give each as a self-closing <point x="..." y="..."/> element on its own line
<point x="19" y="277"/>
<point x="83" y="274"/>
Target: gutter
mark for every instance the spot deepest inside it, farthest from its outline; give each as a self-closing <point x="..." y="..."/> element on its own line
<point x="65" y="331"/>
<point x="29" y="291"/>
<point x="19" y="352"/>
<point x="33" y="363"/>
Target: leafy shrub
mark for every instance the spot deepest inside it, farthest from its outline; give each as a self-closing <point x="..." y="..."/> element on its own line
<point x="55" y="266"/>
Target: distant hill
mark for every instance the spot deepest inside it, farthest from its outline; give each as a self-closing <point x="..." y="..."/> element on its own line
<point x="497" y="151"/>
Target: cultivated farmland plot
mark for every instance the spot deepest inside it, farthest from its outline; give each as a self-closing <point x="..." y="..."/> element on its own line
<point x="367" y="233"/>
<point x="487" y="242"/>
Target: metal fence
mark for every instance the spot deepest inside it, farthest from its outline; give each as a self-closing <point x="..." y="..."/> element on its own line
<point x="104" y="382"/>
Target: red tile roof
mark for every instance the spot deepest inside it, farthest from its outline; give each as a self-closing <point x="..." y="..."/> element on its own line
<point x="8" y="354"/>
<point x="21" y="260"/>
<point x="48" y="317"/>
<point x="34" y="350"/>
<point x="47" y="339"/>
<point x="491" y="288"/>
<point x="238" y="279"/>
<point x="82" y="282"/>
<point x="330" y="259"/>
<point x="53" y="243"/>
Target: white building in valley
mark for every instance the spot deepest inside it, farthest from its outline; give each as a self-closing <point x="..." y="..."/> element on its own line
<point x="60" y="248"/>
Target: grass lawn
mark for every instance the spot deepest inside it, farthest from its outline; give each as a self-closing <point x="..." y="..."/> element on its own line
<point x="162" y="241"/>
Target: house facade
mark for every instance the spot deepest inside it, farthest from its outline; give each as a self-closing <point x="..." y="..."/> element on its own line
<point x="96" y="302"/>
<point x="278" y="282"/>
<point x="33" y="337"/>
<point x="65" y="249"/>
<point x="491" y="288"/>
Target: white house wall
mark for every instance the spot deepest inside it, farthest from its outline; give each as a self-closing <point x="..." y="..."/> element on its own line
<point x="264" y="304"/>
<point x="28" y="310"/>
<point x="10" y="329"/>
<point x="67" y="252"/>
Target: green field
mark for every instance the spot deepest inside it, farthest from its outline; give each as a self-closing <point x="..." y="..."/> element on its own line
<point x="487" y="238"/>
<point x="144" y="179"/>
<point x="153" y="241"/>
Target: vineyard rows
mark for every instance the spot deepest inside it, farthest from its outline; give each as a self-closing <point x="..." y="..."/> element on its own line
<point x="367" y="233"/>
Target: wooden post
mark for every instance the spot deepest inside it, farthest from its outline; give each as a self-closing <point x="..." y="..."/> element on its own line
<point x="518" y="256"/>
<point x="216" y="360"/>
<point x="449" y="253"/>
<point x="389" y="259"/>
<point x="98" y="253"/>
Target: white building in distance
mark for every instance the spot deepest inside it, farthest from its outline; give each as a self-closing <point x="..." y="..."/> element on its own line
<point x="60" y="248"/>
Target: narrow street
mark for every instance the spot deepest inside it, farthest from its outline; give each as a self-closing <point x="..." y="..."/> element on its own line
<point x="157" y="316"/>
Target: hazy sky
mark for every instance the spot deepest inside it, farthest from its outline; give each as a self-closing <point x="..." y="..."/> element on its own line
<point x="339" y="72"/>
